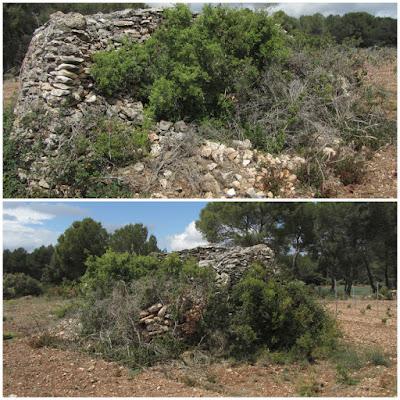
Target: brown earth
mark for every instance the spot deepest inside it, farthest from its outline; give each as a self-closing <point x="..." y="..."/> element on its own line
<point x="29" y="371"/>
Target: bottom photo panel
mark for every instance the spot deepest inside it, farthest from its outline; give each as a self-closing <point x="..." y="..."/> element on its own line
<point x="199" y="299"/>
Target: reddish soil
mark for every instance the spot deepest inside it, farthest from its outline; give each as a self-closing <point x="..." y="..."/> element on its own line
<point x="38" y="372"/>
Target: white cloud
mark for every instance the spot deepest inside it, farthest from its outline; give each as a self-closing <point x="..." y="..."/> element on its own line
<point x="190" y="238"/>
<point x="17" y="235"/>
<point x="53" y="209"/>
<point x="18" y="231"/>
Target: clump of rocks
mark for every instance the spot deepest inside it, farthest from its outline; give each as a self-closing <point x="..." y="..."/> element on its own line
<point x="230" y="263"/>
<point x="155" y="321"/>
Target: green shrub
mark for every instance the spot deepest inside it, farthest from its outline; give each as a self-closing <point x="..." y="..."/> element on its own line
<point x="377" y="357"/>
<point x="267" y="312"/>
<point x="18" y="285"/>
<point x="113" y="266"/>
<point x="12" y="156"/>
<point x="188" y="66"/>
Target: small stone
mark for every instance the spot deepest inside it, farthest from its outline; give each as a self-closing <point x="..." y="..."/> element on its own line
<point x="143" y="314"/>
<point x="165" y="125"/>
<point x="155" y="150"/>
<point x="91" y="99"/>
<point x="246" y="163"/>
<point x="270" y="195"/>
<point x="66" y="73"/>
<point x="162" y="311"/>
<point x="231" y="193"/>
<point x="212" y="166"/>
<point x="138" y="167"/>
<point x="180" y="126"/>
<point x="235" y="185"/>
<point x="67" y="66"/>
<point x="292" y="178"/>
<point x="205" y="151"/>
<point x="153" y="137"/>
<point x="44" y="184"/>
<point x="154" y="308"/>
<point x="164" y="183"/>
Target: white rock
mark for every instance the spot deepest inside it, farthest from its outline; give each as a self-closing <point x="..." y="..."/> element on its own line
<point x="138" y="167"/>
<point x="231" y="193"/>
<point x="167" y="174"/>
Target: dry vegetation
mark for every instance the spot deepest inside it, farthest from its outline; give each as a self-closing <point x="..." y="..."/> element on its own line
<point x="32" y="369"/>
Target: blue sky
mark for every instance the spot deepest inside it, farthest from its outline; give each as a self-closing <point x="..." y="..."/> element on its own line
<point x="296" y="9"/>
<point x="32" y="224"/>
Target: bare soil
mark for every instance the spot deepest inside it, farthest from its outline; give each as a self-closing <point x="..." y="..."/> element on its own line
<point x="29" y="371"/>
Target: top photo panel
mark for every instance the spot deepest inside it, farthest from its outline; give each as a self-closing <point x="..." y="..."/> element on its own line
<point x="252" y="101"/>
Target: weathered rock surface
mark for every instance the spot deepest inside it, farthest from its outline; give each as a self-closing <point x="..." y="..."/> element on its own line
<point x="230" y="263"/>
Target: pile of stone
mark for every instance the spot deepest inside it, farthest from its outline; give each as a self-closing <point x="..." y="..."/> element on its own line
<point x="230" y="263"/>
<point x="55" y="71"/>
<point x="155" y="321"/>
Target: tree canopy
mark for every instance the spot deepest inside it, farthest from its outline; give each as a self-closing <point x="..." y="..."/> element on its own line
<point x="353" y="242"/>
<point x="133" y="239"/>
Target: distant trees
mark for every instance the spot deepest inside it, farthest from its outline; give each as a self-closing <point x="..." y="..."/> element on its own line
<point x="362" y="27"/>
<point x="316" y="242"/>
<point x="133" y="239"/>
<point x="67" y="261"/>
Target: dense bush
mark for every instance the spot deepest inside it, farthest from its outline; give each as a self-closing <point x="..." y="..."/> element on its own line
<point x="187" y="68"/>
<point x="18" y="285"/>
<point x="260" y="312"/>
<point x="272" y="314"/>
<point x="238" y="75"/>
<point x="113" y="266"/>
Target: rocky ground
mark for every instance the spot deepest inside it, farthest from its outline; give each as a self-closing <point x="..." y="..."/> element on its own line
<point x="32" y="371"/>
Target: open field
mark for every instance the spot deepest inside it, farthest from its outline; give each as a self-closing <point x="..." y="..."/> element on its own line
<point x="66" y="371"/>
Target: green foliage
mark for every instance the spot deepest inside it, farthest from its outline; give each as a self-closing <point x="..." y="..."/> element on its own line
<point x="12" y="157"/>
<point x="350" y="170"/>
<point x="75" y="245"/>
<point x="103" y="270"/>
<point x="266" y="312"/>
<point x="188" y="66"/>
<point x="100" y="145"/>
<point x="133" y="239"/>
<point x="377" y="357"/>
<point x="344" y="377"/>
<point x="9" y="335"/>
<point x="18" y="285"/>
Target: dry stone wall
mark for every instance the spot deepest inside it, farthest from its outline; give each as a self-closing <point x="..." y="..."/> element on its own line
<point x="55" y="72"/>
<point x="230" y="263"/>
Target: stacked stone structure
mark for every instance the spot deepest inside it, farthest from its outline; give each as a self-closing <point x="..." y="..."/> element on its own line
<point x="55" y="71"/>
<point x="230" y="263"/>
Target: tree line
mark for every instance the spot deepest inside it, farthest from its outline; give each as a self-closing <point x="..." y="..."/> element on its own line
<point x="21" y="19"/>
<point x="315" y="242"/>
<point x="66" y="261"/>
<point x="362" y="28"/>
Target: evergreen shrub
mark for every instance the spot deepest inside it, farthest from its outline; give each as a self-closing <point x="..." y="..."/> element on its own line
<point x="19" y="285"/>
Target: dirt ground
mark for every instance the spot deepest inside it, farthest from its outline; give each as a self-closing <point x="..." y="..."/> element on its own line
<point x="29" y="371"/>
